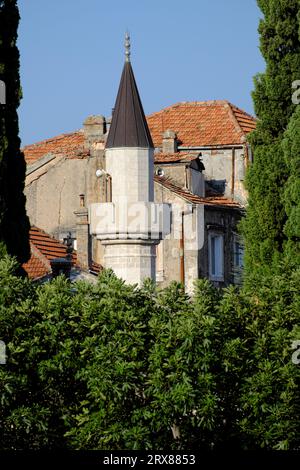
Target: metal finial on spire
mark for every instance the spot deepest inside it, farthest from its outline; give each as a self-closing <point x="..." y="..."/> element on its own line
<point x="127" y="47"/>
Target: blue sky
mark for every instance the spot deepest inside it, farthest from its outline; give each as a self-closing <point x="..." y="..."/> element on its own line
<point x="72" y="56"/>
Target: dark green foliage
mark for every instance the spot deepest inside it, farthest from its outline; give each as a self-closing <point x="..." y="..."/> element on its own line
<point x="263" y="227"/>
<point x="291" y="198"/>
<point x="14" y="224"/>
<point x="32" y="325"/>
<point x="280" y="47"/>
<point x="270" y="395"/>
<point x="110" y="366"/>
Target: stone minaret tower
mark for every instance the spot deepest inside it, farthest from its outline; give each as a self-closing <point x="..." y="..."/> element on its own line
<point x="131" y="225"/>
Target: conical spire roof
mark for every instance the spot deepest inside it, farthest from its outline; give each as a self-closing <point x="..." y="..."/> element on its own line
<point x="129" y="127"/>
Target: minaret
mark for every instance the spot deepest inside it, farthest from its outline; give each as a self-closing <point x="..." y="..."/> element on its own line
<point x="129" y="147"/>
<point x="131" y="225"/>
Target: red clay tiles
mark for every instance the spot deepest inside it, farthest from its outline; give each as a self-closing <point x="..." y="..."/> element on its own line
<point x="198" y="123"/>
<point x="174" y="157"/>
<point x="35" y="268"/>
<point x="193" y="198"/>
<point x="44" y="248"/>
<point x="202" y="123"/>
<point x="66" y="144"/>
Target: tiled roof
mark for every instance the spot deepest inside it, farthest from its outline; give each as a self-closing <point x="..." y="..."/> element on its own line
<point x="245" y="120"/>
<point x="198" y="123"/>
<point x="202" y="123"/>
<point x="174" y="157"/>
<point x="67" y="144"/>
<point x="48" y="246"/>
<point x="35" y="267"/>
<point x="44" y="248"/>
<point x="215" y="200"/>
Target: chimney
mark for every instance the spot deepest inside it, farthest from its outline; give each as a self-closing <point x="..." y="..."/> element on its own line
<point x="82" y="234"/>
<point x="94" y="128"/>
<point x="63" y="265"/>
<point x="169" y="143"/>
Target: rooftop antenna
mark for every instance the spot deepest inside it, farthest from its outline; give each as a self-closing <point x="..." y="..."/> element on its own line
<point x="127" y="47"/>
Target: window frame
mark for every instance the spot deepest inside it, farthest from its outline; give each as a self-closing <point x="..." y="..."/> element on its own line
<point x="219" y="276"/>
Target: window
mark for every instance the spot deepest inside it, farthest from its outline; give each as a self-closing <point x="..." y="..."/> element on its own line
<point x="237" y="258"/>
<point x="238" y="254"/>
<point x="216" y="256"/>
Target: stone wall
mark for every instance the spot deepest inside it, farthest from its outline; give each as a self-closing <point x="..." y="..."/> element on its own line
<point x="175" y="171"/>
<point x="196" y="261"/>
<point x="225" y="169"/>
<point x="53" y="196"/>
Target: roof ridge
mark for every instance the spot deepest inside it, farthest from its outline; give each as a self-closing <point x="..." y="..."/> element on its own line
<point x="233" y="106"/>
<point x="35" y="251"/>
<point x="34" y="227"/>
<point x="234" y="119"/>
<point x="189" y="103"/>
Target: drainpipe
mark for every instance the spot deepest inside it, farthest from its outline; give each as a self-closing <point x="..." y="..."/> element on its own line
<point x="186" y="177"/>
<point x="108" y="188"/>
<point x="181" y="251"/>
<point x="181" y="245"/>
<point x="249" y="154"/>
<point x="232" y="171"/>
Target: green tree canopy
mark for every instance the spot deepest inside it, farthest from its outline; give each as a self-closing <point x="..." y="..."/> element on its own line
<point x="110" y="366"/>
<point x="291" y="196"/>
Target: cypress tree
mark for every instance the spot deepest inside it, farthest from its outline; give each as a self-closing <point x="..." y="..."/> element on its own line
<point x="14" y="223"/>
<point x="263" y="226"/>
<point x="291" y="198"/>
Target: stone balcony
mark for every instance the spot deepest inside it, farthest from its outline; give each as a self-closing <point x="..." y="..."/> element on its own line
<point x="125" y="221"/>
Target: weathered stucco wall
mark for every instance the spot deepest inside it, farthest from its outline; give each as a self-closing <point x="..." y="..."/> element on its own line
<point x="53" y="196"/>
<point x="196" y="262"/>
<point x="226" y="168"/>
<point x="175" y="171"/>
<point x="169" y="259"/>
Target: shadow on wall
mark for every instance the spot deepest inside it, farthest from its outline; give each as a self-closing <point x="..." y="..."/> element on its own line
<point x="216" y="185"/>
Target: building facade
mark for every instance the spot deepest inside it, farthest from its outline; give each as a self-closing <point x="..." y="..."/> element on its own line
<point x="184" y="164"/>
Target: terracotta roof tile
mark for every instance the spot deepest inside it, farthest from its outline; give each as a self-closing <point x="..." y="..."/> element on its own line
<point x="202" y="123"/>
<point x="174" y="157"/>
<point x="44" y="248"/>
<point x="193" y="198"/>
<point x="198" y="123"/>
<point x="48" y="246"/>
<point x="35" y="268"/>
<point x="67" y="144"/>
